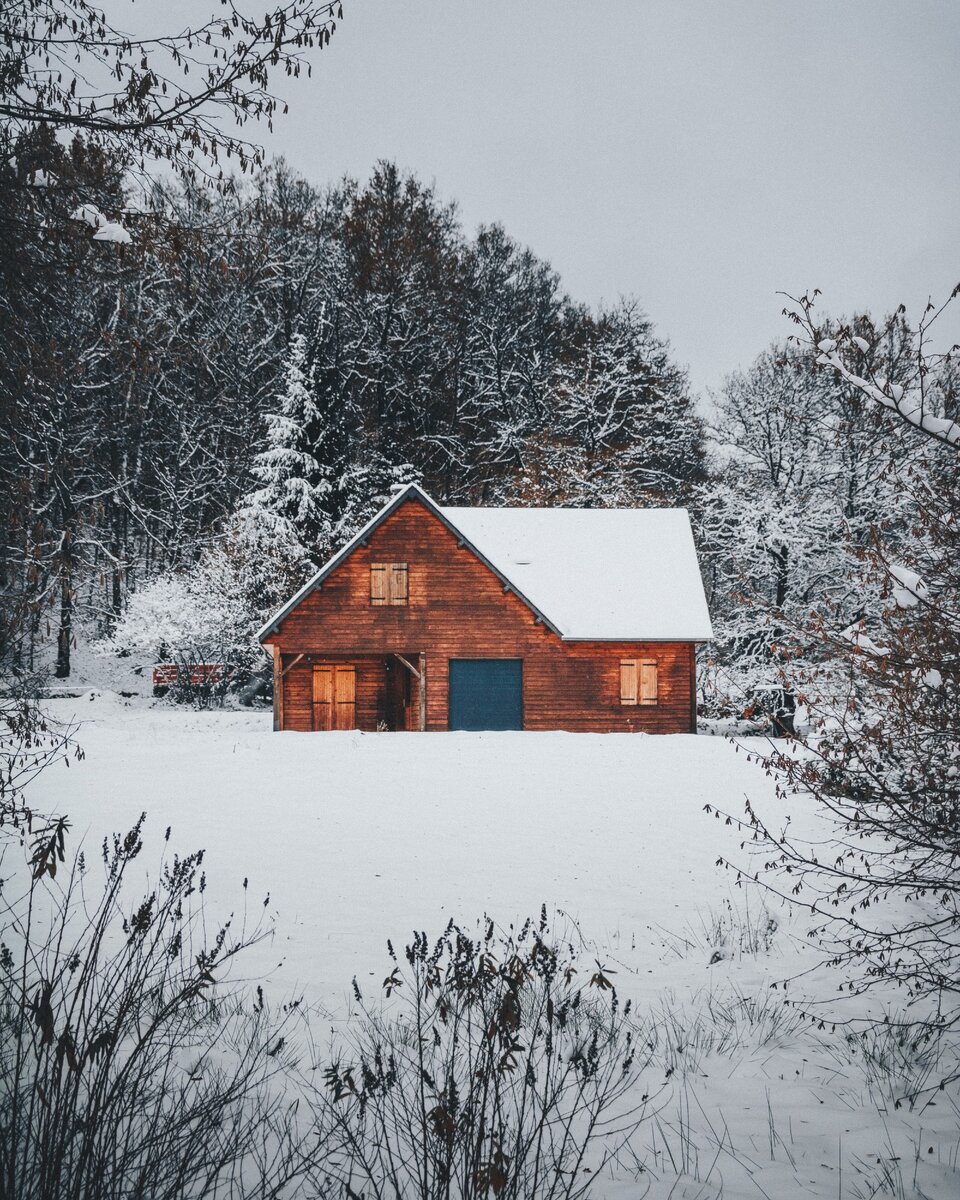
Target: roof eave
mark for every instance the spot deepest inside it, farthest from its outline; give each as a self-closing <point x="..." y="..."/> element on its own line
<point x="699" y="638"/>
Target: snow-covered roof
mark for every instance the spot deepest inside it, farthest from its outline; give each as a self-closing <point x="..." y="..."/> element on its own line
<point x="614" y="574"/>
<point x="591" y="574"/>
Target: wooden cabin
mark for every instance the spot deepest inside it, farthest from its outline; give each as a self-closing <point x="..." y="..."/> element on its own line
<point x="436" y="618"/>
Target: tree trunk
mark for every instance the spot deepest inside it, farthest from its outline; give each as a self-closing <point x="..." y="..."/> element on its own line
<point x="784" y="719"/>
<point x="785" y="712"/>
<point x="65" y="571"/>
<point x="65" y="632"/>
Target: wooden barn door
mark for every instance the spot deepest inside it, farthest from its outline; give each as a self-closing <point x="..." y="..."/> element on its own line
<point x="334" y="696"/>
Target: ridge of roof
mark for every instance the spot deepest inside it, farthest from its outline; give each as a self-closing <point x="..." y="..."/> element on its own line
<point x="408" y="492"/>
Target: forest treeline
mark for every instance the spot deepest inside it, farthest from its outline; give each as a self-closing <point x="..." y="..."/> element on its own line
<point x="196" y="415"/>
<point x="138" y="381"/>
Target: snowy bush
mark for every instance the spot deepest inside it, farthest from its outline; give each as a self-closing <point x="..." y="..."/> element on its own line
<point x="171" y="613"/>
<point x="210" y="614"/>
<point x="179" y="619"/>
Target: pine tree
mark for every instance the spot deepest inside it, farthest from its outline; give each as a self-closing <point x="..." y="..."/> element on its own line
<point x="290" y="503"/>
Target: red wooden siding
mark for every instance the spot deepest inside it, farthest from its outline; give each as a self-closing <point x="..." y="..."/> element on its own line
<point x="457" y="608"/>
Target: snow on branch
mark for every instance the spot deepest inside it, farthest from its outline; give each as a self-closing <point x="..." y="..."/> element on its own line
<point x="909" y="589"/>
<point x="911" y="404"/>
<point x="104" y="230"/>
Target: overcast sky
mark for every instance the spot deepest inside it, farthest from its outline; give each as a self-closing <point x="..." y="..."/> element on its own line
<point x="698" y="154"/>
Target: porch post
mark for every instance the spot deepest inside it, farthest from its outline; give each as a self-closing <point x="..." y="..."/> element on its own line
<point x="277" y="688"/>
<point x="422" y="690"/>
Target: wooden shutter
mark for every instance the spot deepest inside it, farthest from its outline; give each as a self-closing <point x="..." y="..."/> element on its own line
<point x="345" y="696"/>
<point x="378" y="583"/>
<point x="648" y="681"/>
<point x="397" y="586"/>
<point x="323" y="706"/>
<point x="628" y="681"/>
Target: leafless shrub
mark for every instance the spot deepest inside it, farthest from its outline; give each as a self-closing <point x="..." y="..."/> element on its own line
<point x="29" y="743"/>
<point x="501" y="1068"/>
<point x="730" y="931"/>
<point x="128" y="1067"/>
<point x="903" y="1066"/>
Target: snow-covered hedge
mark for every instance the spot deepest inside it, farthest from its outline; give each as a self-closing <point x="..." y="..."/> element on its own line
<point x="210" y="612"/>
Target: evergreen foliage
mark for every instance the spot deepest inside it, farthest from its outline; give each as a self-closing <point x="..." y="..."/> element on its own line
<point x="289" y="503"/>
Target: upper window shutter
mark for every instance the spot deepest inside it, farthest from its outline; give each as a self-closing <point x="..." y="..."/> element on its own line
<point x="628" y="681"/>
<point x="648" y="682"/>
<point x="398" y="583"/>
<point x="378" y="583"/>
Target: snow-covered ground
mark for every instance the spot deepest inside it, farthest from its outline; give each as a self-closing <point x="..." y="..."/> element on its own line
<point x="362" y="837"/>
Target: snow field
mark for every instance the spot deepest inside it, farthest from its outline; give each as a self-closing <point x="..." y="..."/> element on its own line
<point x="360" y="837"/>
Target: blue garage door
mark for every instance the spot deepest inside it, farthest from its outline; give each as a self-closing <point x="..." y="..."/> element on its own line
<point x="486" y="693"/>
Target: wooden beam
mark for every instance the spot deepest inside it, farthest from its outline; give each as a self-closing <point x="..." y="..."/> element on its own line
<point x="693" y="687"/>
<point x="289" y="665"/>
<point x="409" y="665"/>
<point x="423" y="691"/>
<point x="277" y="688"/>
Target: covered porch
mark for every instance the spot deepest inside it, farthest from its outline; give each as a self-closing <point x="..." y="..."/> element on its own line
<point x="313" y="691"/>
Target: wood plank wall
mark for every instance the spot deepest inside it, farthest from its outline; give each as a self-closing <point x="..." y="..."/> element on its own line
<point x="458" y="609"/>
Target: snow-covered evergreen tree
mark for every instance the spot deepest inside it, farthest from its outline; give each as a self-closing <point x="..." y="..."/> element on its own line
<point x="364" y="487"/>
<point x="291" y="500"/>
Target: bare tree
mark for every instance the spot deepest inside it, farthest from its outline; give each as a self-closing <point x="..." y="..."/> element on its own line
<point x="183" y="97"/>
<point x="802" y="477"/>
<point x="883" y="762"/>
